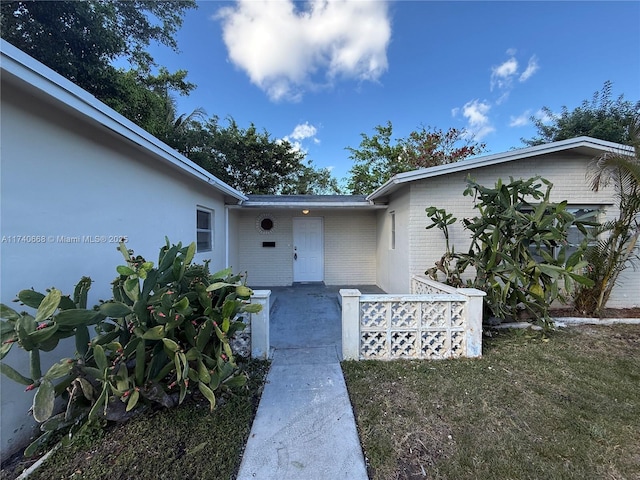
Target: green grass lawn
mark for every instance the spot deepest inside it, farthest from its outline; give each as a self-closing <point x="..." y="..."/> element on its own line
<point x="563" y="405"/>
<point x="181" y="443"/>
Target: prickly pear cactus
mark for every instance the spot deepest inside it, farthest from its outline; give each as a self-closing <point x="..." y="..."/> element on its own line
<point x="163" y="335"/>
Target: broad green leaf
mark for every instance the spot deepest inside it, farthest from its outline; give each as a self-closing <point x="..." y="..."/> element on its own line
<point x="7" y="313"/>
<point x="67" y="304"/>
<point x="48" y="305"/>
<point x="236" y="382"/>
<point x="59" y="369"/>
<point x="252" y="308"/>
<point x="222" y="274"/>
<point x="132" y="288"/>
<point x="203" y="373"/>
<point x="100" y="357"/>
<point x="42" y="335"/>
<point x="155" y="333"/>
<point x="124" y="270"/>
<point x="87" y="389"/>
<point x="82" y="339"/>
<point x="185" y="365"/>
<point x="43" y="401"/>
<point x="191" y="251"/>
<point x="228" y="309"/>
<point x="204" y="335"/>
<point x="5" y="348"/>
<point x="133" y="400"/>
<point x="243" y="291"/>
<point x="115" y="309"/>
<point x="218" y="286"/>
<point x="30" y="298"/>
<point x="209" y="395"/>
<point x="36" y="445"/>
<point x="170" y="345"/>
<point x="182" y="305"/>
<point x="140" y="362"/>
<point x="73" y="318"/>
<point x="193" y="375"/>
<point x="100" y="403"/>
<point x="193" y="354"/>
<point x="14" y="375"/>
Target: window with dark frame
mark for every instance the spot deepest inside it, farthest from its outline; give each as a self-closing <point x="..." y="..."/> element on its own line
<point x="204" y="230"/>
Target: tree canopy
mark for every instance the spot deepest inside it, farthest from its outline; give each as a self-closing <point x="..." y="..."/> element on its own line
<point x="380" y="157"/>
<point x="80" y="40"/>
<point x="601" y="117"/>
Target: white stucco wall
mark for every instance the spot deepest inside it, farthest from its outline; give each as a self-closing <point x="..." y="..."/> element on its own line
<point x="61" y="177"/>
<point x="349" y="246"/>
<point x="566" y="172"/>
<point x="393" y="263"/>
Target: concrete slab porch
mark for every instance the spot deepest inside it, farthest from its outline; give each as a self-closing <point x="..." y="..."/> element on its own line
<point x="308" y="315"/>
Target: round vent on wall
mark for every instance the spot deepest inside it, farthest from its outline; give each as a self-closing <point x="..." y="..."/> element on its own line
<point x="265" y="223"/>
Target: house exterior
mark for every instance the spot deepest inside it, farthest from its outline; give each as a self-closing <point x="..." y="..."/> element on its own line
<point x="405" y="248"/>
<point x="76" y="177"/>
<point x="305" y="238"/>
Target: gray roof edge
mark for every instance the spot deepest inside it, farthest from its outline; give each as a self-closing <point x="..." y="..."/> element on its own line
<point x="40" y="77"/>
<point x="311" y="205"/>
<point x="503" y="157"/>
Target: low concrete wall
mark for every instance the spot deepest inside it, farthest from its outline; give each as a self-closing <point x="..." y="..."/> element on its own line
<point x="438" y="322"/>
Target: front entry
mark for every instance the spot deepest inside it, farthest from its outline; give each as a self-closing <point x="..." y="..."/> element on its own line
<point x="308" y="249"/>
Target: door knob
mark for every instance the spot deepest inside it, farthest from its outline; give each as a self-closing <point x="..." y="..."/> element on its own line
<point x="295" y="256"/>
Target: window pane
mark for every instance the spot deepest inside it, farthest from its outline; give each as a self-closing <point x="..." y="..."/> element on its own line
<point x="203" y="220"/>
<point x="203" y="241"/>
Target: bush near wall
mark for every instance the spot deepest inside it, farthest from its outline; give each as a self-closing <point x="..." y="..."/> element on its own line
<point x="164" y="333"/>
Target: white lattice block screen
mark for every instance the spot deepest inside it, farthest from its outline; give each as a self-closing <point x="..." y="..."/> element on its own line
<point x="425" y="286"/>
<point x="408" y="328"/>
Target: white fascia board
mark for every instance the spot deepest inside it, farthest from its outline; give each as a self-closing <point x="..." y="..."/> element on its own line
<point x="488" y="160"/>
<point x="311" y="205"/>
<point x="40" y="77"/>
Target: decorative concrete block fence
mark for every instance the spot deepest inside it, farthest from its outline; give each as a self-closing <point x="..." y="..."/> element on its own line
<point x="435" y="321"/>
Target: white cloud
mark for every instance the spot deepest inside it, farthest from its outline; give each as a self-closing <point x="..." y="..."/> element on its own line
<point x="532" y="67"/>
<point x="502" y="75"/>
<point x="282" y="48"/>
<point x="478" y="122"/>
<point x="302" y="131"/>
<point x="520" y="120"/>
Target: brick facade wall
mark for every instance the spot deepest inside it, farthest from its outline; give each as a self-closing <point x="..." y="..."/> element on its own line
<point x="567" y="173"/>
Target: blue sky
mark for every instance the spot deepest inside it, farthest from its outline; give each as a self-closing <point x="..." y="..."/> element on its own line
<point x="321" y="73"/>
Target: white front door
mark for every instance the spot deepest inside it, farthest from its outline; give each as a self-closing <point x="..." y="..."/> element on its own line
<point x="308" y="249"/>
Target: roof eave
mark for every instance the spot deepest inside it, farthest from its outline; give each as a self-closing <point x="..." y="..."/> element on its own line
<point x="563" y="145"/>
<point x="311" y="205"/>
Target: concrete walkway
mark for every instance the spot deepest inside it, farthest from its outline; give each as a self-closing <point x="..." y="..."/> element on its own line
<point x="304" y="428"/>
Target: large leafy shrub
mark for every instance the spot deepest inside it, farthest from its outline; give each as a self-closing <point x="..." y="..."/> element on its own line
<point x="518" y="248"/>
<point x="165" y="333"/>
